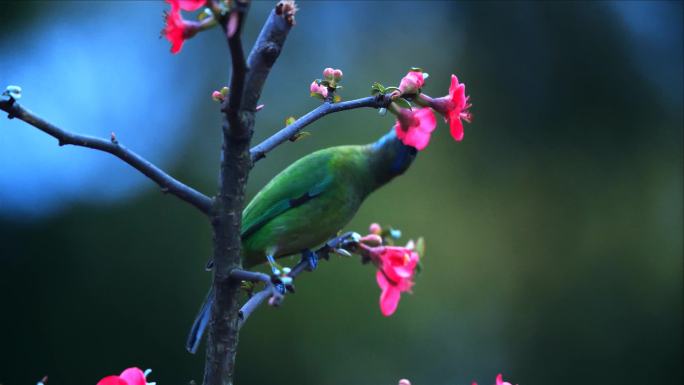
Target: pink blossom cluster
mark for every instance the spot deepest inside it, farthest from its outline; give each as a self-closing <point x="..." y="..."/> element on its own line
<point x="414" y="127"/>
<point x="176" y="29"/>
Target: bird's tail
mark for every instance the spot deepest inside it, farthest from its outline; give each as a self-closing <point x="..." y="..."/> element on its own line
<point x="200" y="324"/>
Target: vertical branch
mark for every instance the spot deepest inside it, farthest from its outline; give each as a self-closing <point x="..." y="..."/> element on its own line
<point x="247" y="80"/>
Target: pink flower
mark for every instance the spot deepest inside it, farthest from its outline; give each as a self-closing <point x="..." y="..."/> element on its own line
<point x="395" y="276"/>
<point x="130" y="376"/>
<point x="454" y="107"/>
<point x="414" y="127"/>
<point x="412" y="82"/>
<point x="190" y="5"/>
<point x="177" y="30"/>
<point x="499" y="381"/>
<point x="318" y="90"/>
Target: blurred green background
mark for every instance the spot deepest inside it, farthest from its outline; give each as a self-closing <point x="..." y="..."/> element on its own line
<point x="554" y="230"/>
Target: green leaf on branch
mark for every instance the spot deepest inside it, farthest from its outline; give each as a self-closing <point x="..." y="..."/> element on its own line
<point x="403" y="103"/>
<point x="377" y="88"/>
<point x="299" y="136"/>
<point x="290" y="120"/>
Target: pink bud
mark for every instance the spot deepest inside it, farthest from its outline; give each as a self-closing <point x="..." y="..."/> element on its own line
<point x="372" y="240"/>
<point x="337" y="74"/>
<point x="404" y="381"/>
<point x="318" y="90"/>
<point x="412" y="82"/>
<point x="328" y="73"/>
<point x="217" y="96"/>
<point x="375" y="229"/>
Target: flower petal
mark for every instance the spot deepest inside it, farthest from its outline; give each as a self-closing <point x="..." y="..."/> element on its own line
<point x="389" y="300"/>
<point x="191" y="5"/>
<point x="133" y="376"/>
<point x="456" y="127"/>
<point x="111" y="380"/>
<point x="427" y="120"/>
<point x="401" y="134"/>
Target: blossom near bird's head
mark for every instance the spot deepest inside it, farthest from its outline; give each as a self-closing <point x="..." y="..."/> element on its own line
<point x="414" y="127"/>
<point x="453" y="107"/>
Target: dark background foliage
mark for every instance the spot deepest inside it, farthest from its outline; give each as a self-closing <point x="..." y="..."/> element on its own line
<point x="554" y="229"/>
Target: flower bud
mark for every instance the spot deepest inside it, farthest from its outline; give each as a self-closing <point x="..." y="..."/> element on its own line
<point x="337" y="75"/>
<point x="404" y="381"/>
<point x="217" y="96"/>
<point x="318" y="90"/>
<point x="412" y="82"/>
<point x="372" y="240"/>
<point x="375" y="229"/>
<point x="328" y="73"/>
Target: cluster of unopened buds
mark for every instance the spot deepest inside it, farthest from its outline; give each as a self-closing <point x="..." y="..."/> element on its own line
<point x="320" y="88"/>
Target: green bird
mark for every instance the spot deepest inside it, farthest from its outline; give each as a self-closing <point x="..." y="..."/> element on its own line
<point x="310" y="201"/>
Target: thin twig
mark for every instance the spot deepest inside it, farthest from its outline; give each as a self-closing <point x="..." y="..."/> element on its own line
<point x="344" y="240"/>
<point x="166" y="182"/>
<point x="260" y="150"/>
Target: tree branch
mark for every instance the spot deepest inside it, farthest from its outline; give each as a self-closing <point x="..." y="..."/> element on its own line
<point x="166" y="182"/>
<point x="259" y="151"/>
<point x="264" y="53"/>
<point x="226" y="214"/>
<point x="345" y="241"/>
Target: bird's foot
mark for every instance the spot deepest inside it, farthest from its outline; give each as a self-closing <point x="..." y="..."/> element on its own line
<point x="309" y="260"/>
<point x="280" y="278"/>
<point x="343" y="244"/>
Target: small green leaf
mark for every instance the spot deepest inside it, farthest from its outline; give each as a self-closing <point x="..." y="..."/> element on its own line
<point x="420" y="247"/>
<point x="337" y="99"/>
<point x="299" y="136"/>
<point x="378" y="88"/>
<point x="389" y="90"/>
<point x="204" y="14"/>
<point x="290" y="120"/>
<point x="403" y="103"/>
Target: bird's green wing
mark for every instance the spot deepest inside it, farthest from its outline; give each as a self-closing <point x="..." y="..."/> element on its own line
<point x="302" y="181"/>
